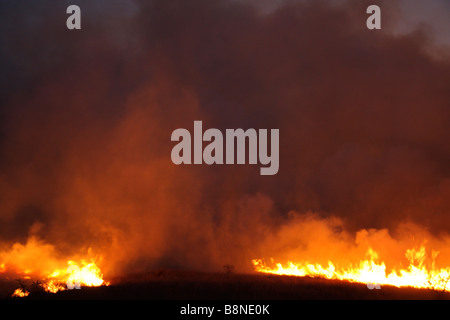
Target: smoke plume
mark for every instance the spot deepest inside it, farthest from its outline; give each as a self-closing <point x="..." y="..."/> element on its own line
<point x="87" y="115"/>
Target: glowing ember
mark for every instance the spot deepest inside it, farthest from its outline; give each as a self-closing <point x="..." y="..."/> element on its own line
<point x="370" y="271"/>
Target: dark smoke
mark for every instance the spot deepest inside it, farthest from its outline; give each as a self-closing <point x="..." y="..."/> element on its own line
<point x="86" y="119"/>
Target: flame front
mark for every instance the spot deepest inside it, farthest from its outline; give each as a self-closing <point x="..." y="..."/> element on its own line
<point x="370" y="271"/>
<point x="73" y="277"/>
<point x="37" y="262"/>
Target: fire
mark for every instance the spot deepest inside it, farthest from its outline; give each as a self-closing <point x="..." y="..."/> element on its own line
<point x="88" y="275"/>
<point x="53" y="286"/>
<point x="36" y="262"/>
<point x="73" y="277"/>
<point x="20" y="293"/>
<point x="371" y="271"/>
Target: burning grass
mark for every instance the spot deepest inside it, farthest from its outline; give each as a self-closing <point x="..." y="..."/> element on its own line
<point x="371" y="271"/>
<point x="37" y="267"/>
<point x="188" y="285"/>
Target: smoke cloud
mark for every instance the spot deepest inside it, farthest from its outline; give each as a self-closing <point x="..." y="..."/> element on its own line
<point x="87" y="116"/>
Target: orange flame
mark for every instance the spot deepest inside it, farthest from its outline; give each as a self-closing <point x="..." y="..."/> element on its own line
<point x="36" y="260"/>
<point x="20" y="293"/>
<point x="72" y="277"/>
<point x="370" y="271"/>
<point x="88" y="275"/>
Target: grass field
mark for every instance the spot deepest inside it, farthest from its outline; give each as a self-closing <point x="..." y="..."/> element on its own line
<point x="186" y="285"/>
